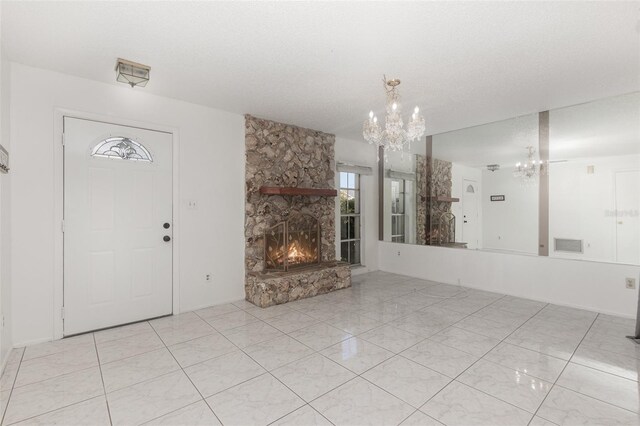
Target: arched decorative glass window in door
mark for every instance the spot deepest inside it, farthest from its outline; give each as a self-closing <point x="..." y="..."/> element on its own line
<point x="471" y="189"/>
<point x="122" y="148"/>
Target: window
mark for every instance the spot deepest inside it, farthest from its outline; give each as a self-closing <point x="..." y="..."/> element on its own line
<point x="350" y="241"/>
<point x="397" y="210"/>
<point x="121" y="148"/>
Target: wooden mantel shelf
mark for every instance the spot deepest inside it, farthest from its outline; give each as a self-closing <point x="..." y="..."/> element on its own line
<point x="291" y="190"/>
<point x="444" y="199"/>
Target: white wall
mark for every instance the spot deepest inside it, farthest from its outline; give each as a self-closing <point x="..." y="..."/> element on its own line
<point x="5" y="222"/>
<point x="510" y="225"/>
<point x="458" y="174"/>
<point x="589" y="285"/>
<point x="211" y="172"/>
<point x="360" y="153"/>
<point x="580" y="204"/>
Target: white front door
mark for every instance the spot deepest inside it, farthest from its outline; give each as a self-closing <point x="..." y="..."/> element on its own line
<point x="470" y="213"/>
<point x="627" y="219"/>
<point x="117" y="225"/>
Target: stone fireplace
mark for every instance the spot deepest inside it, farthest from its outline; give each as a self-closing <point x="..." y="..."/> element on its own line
<point x="289" y="214"/>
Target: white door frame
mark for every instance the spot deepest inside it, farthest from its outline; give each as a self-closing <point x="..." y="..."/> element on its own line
<point x="58" y="214"/>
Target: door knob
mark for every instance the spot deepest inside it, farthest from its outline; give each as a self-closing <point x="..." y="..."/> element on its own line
<point x="166" y="238"/>
<point x="166" y="225"/>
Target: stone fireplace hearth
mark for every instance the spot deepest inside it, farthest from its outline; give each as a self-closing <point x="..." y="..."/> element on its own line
<point x="289" y="214"/>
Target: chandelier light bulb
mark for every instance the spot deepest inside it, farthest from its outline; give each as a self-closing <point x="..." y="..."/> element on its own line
<point x="393" y="135"/>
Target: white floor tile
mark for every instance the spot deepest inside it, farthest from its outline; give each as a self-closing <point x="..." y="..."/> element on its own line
<point x="353" y="323"/>
<point x="415" y="346"/>
<point x="231" y="320"/>
<point x="121" y="332"/>
<point x="565" y="407"/>
<point x="291" y="321"/>
<point x="223" y="372"/>
<point x="57" y="364"/>
<point x="148" y="400"/>
<point x="196" y="414"/>
<point x="251" y="334"/>
<point x="407" y="380"/>
<point x="184" y="332"/>
<point x="52" y="394"/>
<point x="420" y="419"/>
<point x="519" y="389"/>
<point x="391" y="338"/>
<point x="313" y="376"/>
<point x="259" y="401"/>
<point x="606" y="387"/>
<point x="114" y="350"/>
<point x="609" y="362"/>
<point x="216" y="311"/>
<point x="304" y="416"/>
<point x="320" y="336"/>
<point x="465" y="341"/>
<point x="359" y="402"/>
<point x="56" y="346"/>
<point x="90" y="412"/>
<point x="8" y="377"/>
<point x="129" y="371"/>
<point x="526" y="361"/>
<point x="201" y="349"/>
<point x="461" y="405"/>
<point x="357" y="354"/>
<point x="443" y="359"/>
<point x="278" y="352"/>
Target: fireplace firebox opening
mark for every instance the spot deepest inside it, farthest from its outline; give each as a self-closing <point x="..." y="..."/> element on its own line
<point x="292" y="244"/>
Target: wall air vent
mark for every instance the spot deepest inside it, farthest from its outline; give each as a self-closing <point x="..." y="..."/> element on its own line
<point x="567" y="245"/>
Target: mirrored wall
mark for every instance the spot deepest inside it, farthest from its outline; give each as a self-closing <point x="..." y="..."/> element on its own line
<point x="563" y="183"/>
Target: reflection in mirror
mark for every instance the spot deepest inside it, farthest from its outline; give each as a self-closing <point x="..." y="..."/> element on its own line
<point x="403" y="174"/>
<point x="594" y="180"/>
<point x="478" y="201"/>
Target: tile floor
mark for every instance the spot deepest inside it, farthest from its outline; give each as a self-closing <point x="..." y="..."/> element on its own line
<point x="390" y="350"/>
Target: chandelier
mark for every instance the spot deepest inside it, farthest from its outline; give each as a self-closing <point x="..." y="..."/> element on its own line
<point x="529" y="170"/>
<point x="394" y="137"/>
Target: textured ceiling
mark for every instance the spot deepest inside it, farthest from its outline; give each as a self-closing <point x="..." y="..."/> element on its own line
<point x="320" y="65"/>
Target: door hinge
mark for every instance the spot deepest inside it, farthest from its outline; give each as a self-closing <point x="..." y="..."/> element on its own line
<point x="62" y="226"/>
<point x="62" y="138"/>
<point x="62" y="312"/>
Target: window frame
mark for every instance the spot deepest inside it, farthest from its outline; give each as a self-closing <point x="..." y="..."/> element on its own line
<point x="399" y="237"/>
<point x="357" y="213"/>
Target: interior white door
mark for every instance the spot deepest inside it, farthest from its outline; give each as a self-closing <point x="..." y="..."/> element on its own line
<point x="627" y="217"/>
<point x="117" y="225"/>
<point x="470" y="213"/>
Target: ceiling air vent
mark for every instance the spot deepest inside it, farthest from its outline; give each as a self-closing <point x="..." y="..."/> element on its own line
<point x="567" y="245"/>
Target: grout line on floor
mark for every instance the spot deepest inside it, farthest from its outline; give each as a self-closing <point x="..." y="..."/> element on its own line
<point x="104" y="389"/>
<point x="188" y="378"/>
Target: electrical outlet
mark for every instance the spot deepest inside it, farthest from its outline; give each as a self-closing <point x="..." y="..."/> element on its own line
<point x="208" y="277"/>
<point x="630" y="283"/>
<point x="398" y="253"/>
<point x="192" y="204"/>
